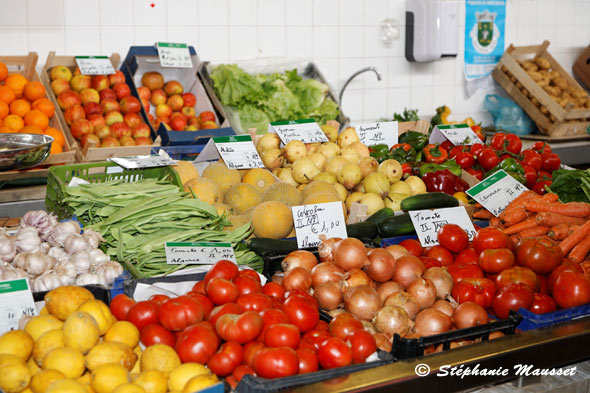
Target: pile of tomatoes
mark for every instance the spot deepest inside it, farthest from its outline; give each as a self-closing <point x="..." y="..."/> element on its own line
<point x="237" y="326"/>
<point x="500" y="276"/>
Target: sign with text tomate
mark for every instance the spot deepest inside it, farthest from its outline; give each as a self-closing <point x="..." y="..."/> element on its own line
<point x="428" y="222"/>
<point x="377" y="133"/>
<point x="311" y="221"/>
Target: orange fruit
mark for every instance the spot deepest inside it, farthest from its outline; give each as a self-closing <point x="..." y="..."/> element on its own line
<point x="3" y="71"/>
<point x="20" y="107"/>
<point x="37" y="118"/>
<point x="14" y="122"/>
<point x="31" y="129"/>
<point x="55" y="148"/>
<point x="33" y="91"/>
<point x="17" y="83"/>
<point x="45" y="106"/>
<point x="1" y="123"/>
<point x="4" y="109"/>
<point x="6" y="94"/>
<point x="5" y="130"/>
<point x="57" y="135"/>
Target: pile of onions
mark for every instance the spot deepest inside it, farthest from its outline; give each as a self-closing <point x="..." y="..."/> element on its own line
<point x="354" y="278"/>
<point x="326" y="249"/>
<point x="442" y="280"/>
<point x="430" y="321"/>
<point x="297" y="278"/>
<point x="387" y="288"/>
<point x="408" y="268"/>
<point x="299" y="258"/>
<point x="326" y="272"/>
<point x="362" y="301"/>
<point x="328" y="295"/>
<point x="381" y="265"/>
<point x="444" y="306"/>
<point x="404" y="300"/>
<point x="469" y="314"/>
<point x="424" y="291"/>
<point x="391" y="320"/>
<point x="350" y="253"/>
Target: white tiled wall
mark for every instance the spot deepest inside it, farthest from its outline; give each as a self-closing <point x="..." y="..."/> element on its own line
<point x="341" y="36"/>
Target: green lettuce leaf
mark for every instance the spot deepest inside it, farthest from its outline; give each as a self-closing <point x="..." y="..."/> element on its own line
<point x="253" y="117"/>
<point x="234" y="86"/>
<point x="328" y="110"/>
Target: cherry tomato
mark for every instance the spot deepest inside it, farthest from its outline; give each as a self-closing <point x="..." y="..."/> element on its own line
<point x="229" y="356"/>
<point x="495" y="260"/>
<point x="488" y="159"/>
<point x="254" y="301"/>
<point x="222" y="291"/>
<point x="541" y="147"/>
<point x="120" y="306"/>
<point x="441" y="254"/>
<point x="227" y="308"/>
<point x="465" y="159"/>
<point x="274" y="290"/>
<point x="250" y="351"/>
<point x="250" y="273"/>
<point x="460" y="271"/>
<point x="363" y="345"/>
<point x="197" y="343"/>
<point x="512" y="297"/>
<point x="308" y="360"/>
<point x="447" y="145"/>
<point x="143" y="313"/>
<point x="477" y="290"/>
<point x="246" y="284"/>
<point x="476" y="148"/>
<point x="530" y="175"/>
<point x="540" y="185"/>
<point x="540" y="254"/>
<point x="344" y="325"/>
<point x="282" y="335"/>
<point x="491" y="237"/>
<point x="513" y="143"/>
<point x="316" y="337"/>
<point x="199" y="287"/>
<point x="158" y="299"/>
<point x="241" y="370"/>
<point x="519" y="274"/>
<point x="241" y="328"/>
<point x="276" y="363"/>
<point x="178" y="313"/>
<point x="429" y="262"/>
<point x="532" y="158"/>
<point x="453" y="238"/>
<point x="542" y="304"/>
<point x="223" y="269"/>
<point x="302" y="312"/>
<point x="551" y="162"/>
<point x="413" y="246"/>
<point x="497" y="141"/>
<point x="468" y="255"/>
<point x="477" y="173"/>
<point x="204" y="301"/>
<point x="156" y="334"/>
<point x="571" y="289"/>
<point x="334" y="353"/>
<point x="456" y="150"/>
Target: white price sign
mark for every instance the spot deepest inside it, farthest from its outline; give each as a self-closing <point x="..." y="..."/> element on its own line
<point x="457" y="134"/>
<point x="95" y="65"/>
<point x="377" y="133"/>
<point x="496" y="191"/>
<point x="311" y="221"/>
<point x="306" y="131"/>
<point x="16" y="301"/>
<point x="174" y="55"/>
<point x="198" y="253"/>
<point x="140" y="162"/>
<point x="238" y="152"/>
<point x="428" y="222"/>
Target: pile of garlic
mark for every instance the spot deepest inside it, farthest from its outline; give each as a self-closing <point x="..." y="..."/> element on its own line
<point x="52" y="254"/>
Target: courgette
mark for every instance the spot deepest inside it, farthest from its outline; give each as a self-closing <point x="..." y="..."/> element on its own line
<point x="396" y="225"/>
<point x="431" y="200"/>
<point x="362" y="230"/>
<point x="380" y="215"/>
<point x="263" y="246"/>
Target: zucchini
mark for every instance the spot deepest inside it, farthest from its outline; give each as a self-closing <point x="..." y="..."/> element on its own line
<point x="362" y="230"/>
<point x="431" y="200"/>
<point x="396" y="225"/>
<point x="263" y="246"/>
<point x="380" y="215"/>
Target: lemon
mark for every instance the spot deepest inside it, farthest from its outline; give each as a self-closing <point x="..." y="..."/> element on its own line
<point x="14" y="374"/>
<point x="41" y="381"/>
<point x="101" y="314"/>
<point x="159" y="357"/>
<point x="107" y="377"/>
<point x="46" y="342"/>
<point x="16" y="342"/>
<point x="200" y="382"/>
<point x="181" y="374"/>
<point x="123" y="332"/>
<point x="67" y="360"/>
<point x="41" y="324"/>
<point x="152" y="381"/>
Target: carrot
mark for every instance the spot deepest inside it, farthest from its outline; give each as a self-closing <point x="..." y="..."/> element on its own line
<point x="561" y="231"/>
<point x="550" y="219"/>
<point x="515" y="238"/>
<point x="512" y="216"/>
<point x="534" y="232"/>
<point x="483" y="214"/>
<point x="551" y="197"/>
<point x="495" y="222"/>
<point x="521" y="226"/>
<point x="569" y="242"/>
<point x="580" y="251"/>
<point x="572" y="209"/>
<point x="516" y="202"/>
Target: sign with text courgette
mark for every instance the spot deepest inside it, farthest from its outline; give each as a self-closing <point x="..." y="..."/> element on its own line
<point x="457" y="134"/>
<point x="16" y="301"/>
<point x="305" y="130"/>
<point x="237" y="151"/>
<point x="198" y="253"/>
<point x="371" y="134"/>
<point x="174" y="55"/>
<point x="95" y="65"/>
<point x="427" y="223"/>
<point x="496" y="191"/>
<point x="311" y="221"/>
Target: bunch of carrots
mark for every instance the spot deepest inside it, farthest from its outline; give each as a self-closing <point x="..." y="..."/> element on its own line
<point x="532" y="215"/>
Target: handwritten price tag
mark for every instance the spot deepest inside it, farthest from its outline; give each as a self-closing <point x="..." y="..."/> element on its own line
<point x="195" y="253"/>
<point x="376" y="133"/>
<point x="95" y="65"/>
<point x="306" y="131"/>
<point x="16" y="301"/>
<point x="428" y="222"/>
<point x="496" y="192"/>
<point x="174" y="55"/>
<point x="311" y="221"/>
<point x="238" y="152"/>
<point x="457" y="134"/>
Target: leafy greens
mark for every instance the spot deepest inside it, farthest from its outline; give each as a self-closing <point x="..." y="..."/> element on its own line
<point x="571" y="185"/>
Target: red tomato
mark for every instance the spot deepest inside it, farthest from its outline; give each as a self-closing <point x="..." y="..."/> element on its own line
<point x="241" y="328"/>
<point x="441" y="254"/>
<point x="158" y="299"/>
<point x="469" y="255"/>
<point x="460" y="271"/>
<point x="120" y="306"/>
<point x="178" y="313"/>
<point x="512" y="297"/>
<point x="540" y="254"/>
<point x="447" y="145"/>
<point x="241" y="370"/>
<point x="274" y="290"/>
<point x="540" y="185"/>
<point x="305" y="295"/>
<point x="453" y="238"/>
<point x="227" y="308"/>
<point x="429" y="262"/>
<point x="302" y="312"/>
<point x="413" y="246"/>
<point x="542" y="304"/>
<point x="334" y="353"/>
<point x="306" y="344"/>
<point x="496" y="260"/>
<point x="316" y="337"/>
<point x="229" y="356"/>
<point x="543" y="284"/>
<point x="197" y="343"/>
<point x="465" y="159"/>
<point x="223" y="269"/>
<point x="199" y="287"/>
<point x="363" y="345"/>
<point x="566" y="265"/>
<point x="246" y="284"/>
<point x="530" y="175"/>
<point x="276" y="363"/>
<point x="271" y="316"/>
<point x="143" y="313"/>
<point x="519" y="274"/>
<point x="250" y="273"/>
<point x="156" y="334"/>
<point x="222" y="291"/>
<point x="282" y="335"/>
<point x="541" y="147"/>
<point x="254" y="301"/>
<point x="204" y="301"/>
<point x="571" y="289"/>
<point x="498" y="140"/>
<point x="476" y="148"/>
<point x="477" y="290"/>
<point x="250" y="351"/>
<point x="491" y="237"/>
<point x="344" y="325"/>
<point x="322" y="325"/>
<point x="308" y="360"/>
<point x="513" y="143"/>
<point x="488" y="158"/>
<point x="551" y="162"/>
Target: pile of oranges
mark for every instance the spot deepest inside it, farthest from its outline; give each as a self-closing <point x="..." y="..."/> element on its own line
<point x="25" y="108"/>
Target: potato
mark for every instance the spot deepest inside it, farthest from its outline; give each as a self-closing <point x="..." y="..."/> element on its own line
<point x="561" y="83"/>
<point x="542" y="63"/>
<point x="554" y="75"/>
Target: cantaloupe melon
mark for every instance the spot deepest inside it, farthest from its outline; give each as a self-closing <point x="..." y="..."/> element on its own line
<point x="242" y="197"/>
<point x="272" y="219"/>
<point x="222" y="208"/>
<point x="318" y="186"/>
<point x="205" y="189"/>
<point x="282" y="192"/>
<point x="237" y="221"/>
<point x="222" y="176"/>
<point x="259" y="178"/>
<point x="186" y="170"/>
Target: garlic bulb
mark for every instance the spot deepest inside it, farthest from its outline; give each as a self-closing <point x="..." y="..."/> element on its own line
<point x="34" y="263"/>
<point x="109" y="271"/>
<point x="11" y="273"/>
<point x="46" y="282"/>
<point x="94" y="238"/>
<point x="41" y="220"/>
<point x="27" y="239"/>
<point x="62" y="231"/>
<point x="82" y="261"/>
<point x="58" y="253"/>
<point x="76" y="243"/>
<point x="7" y="248"/>
<point x="97" y="257"/>
<point x="89" y="279"/>
<point x="44" y="247"/>
<point x="66" y="271"/>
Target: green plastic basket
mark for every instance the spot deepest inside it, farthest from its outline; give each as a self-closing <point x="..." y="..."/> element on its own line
<point x="95" y="172"/>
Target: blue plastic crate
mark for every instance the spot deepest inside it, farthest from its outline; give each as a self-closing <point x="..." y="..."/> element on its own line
<point x="117" y="287"/>
<point x="530" y="320"/>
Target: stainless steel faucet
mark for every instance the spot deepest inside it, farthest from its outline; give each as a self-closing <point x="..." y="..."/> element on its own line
<point x="370" y="68"/>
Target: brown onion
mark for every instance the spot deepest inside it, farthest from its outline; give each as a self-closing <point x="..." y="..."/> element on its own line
<point x="442" y="280"/>
<point x="350" y="253"/>
<point x="369" y="327"/>
<point x="431" y="321"/>
<point x="424" y="291"/>
<point x="382" y="265"/>
<point x="297" y="278"/>
<point x="443" y="306"/>
<point x="404" y="300"/>
<point x="362" y="301"/>
<point x="335" y="312"/>
<point x="354" y="278"/>
<point x="396" y="251"/>
<point x="407" y="269"/>
<point x="382" y="341"/>
<point x="391" y="320"/>
<point x="277" y="277"/>
<point x="387" y="288"/>
<point x="326" y="249"/>
<point x="328" y="295"/>
<point x="325" y="272"/>
<point x="469" y="314"/>
<point x="299" y="258"/>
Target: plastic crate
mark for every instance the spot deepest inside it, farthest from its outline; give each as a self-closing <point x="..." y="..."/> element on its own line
<point x="186" y="153"/>
<point x="96" y="172"/>
<point x="530" y="320"/>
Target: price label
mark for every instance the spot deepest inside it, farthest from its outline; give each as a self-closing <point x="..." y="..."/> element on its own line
<point x="16" y="301"/>
<point x="496" y="191"/>
<point x="306" y="131"/>
<point x="428" y="222"/>
<point x="238" y="152"/>
<point x="377" y="133"/>
<point x="311" y="221"/>
<point x="457" y="134"/>
<point x="95" y="65"/>
<point x="174" y="55"/>
<point x="140" y="162"/>
<point x="198" y="253"/>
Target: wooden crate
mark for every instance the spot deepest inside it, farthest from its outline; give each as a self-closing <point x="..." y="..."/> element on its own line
<point x="25" y="65"/>
<point x="88" y="154"/>
<point x="581" y="67"/>
<point x="551" y="118"/>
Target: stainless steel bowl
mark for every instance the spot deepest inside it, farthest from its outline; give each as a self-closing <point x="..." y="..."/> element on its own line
<point x="21" y="151"/>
